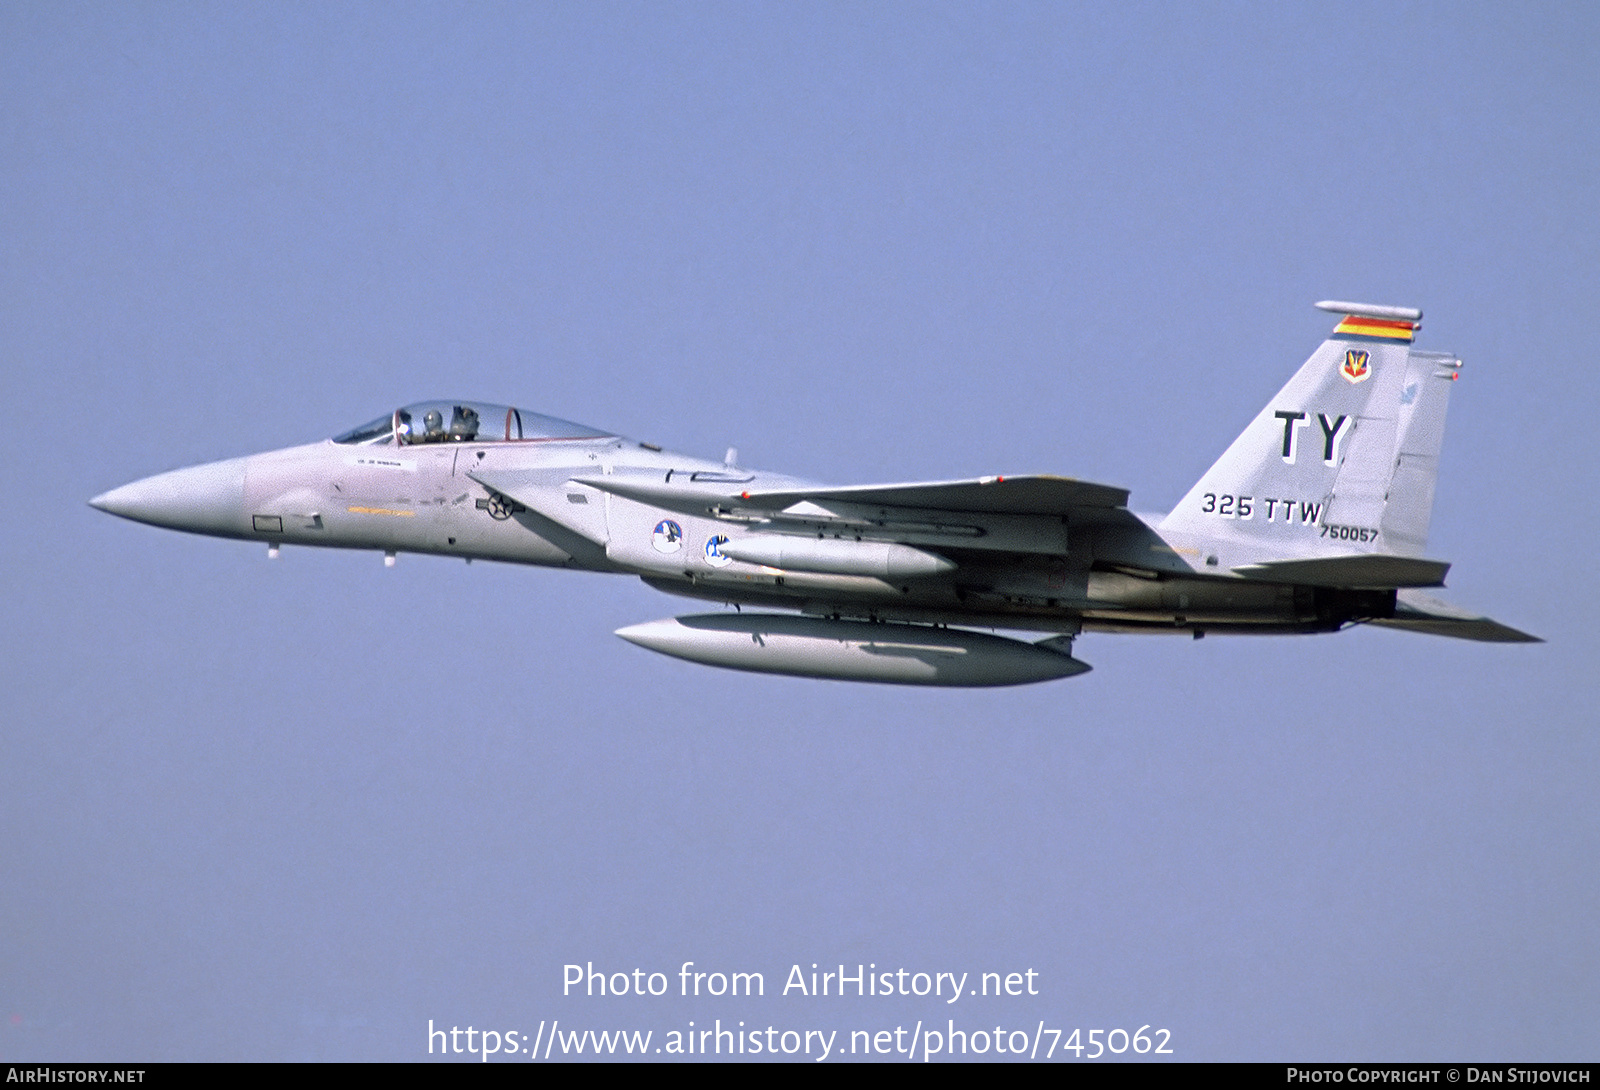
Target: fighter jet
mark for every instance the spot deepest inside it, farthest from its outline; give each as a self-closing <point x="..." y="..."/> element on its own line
<point x="1313" y="520"/>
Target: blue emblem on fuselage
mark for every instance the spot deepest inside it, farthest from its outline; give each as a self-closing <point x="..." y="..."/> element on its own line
<point x="714" y="555"/>
<point x="667" y="537"/>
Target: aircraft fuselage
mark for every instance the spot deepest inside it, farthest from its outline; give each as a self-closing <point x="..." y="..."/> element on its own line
<point x="1030" y="572"/>
<point x="1313" y="519"/>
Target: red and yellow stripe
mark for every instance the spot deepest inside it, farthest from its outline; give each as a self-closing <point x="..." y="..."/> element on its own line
<point x="1376" y="327"/>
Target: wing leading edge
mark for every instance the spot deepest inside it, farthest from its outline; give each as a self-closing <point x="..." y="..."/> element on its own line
<point x="1026" y="495"/>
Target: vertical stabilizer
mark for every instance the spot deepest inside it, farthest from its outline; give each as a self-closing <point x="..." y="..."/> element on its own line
<point x="1343" y="460"/>
<point x="1430" y="376"/>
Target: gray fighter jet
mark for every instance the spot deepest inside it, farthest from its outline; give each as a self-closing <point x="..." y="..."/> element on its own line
<point x="1313" y="520"/>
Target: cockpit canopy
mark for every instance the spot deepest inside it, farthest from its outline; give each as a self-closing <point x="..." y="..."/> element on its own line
<point x="464" y="422"/>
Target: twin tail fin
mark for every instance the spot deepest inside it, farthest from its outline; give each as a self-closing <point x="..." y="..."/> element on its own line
<point x="1344" y="458"/>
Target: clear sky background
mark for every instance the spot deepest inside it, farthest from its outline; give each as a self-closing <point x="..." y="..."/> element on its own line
<point x="296" y="809"/>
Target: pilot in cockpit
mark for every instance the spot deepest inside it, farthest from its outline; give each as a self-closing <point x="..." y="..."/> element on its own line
<point x="433" y="427"/>
<point x="463" y="424"/>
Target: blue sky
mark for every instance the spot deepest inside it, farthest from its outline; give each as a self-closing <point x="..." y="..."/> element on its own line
<point x="282" y="810"/>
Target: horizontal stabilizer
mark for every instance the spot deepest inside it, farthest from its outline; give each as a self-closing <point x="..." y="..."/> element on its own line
<point x="1418" y="612"/>
<point x="1364" y="570"/>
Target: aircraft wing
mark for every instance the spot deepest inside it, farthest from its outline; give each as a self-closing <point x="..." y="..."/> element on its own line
<point x="1029" y="495"/>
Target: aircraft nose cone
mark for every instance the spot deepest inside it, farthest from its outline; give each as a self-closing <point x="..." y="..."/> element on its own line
<point x="206" y="499"/>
